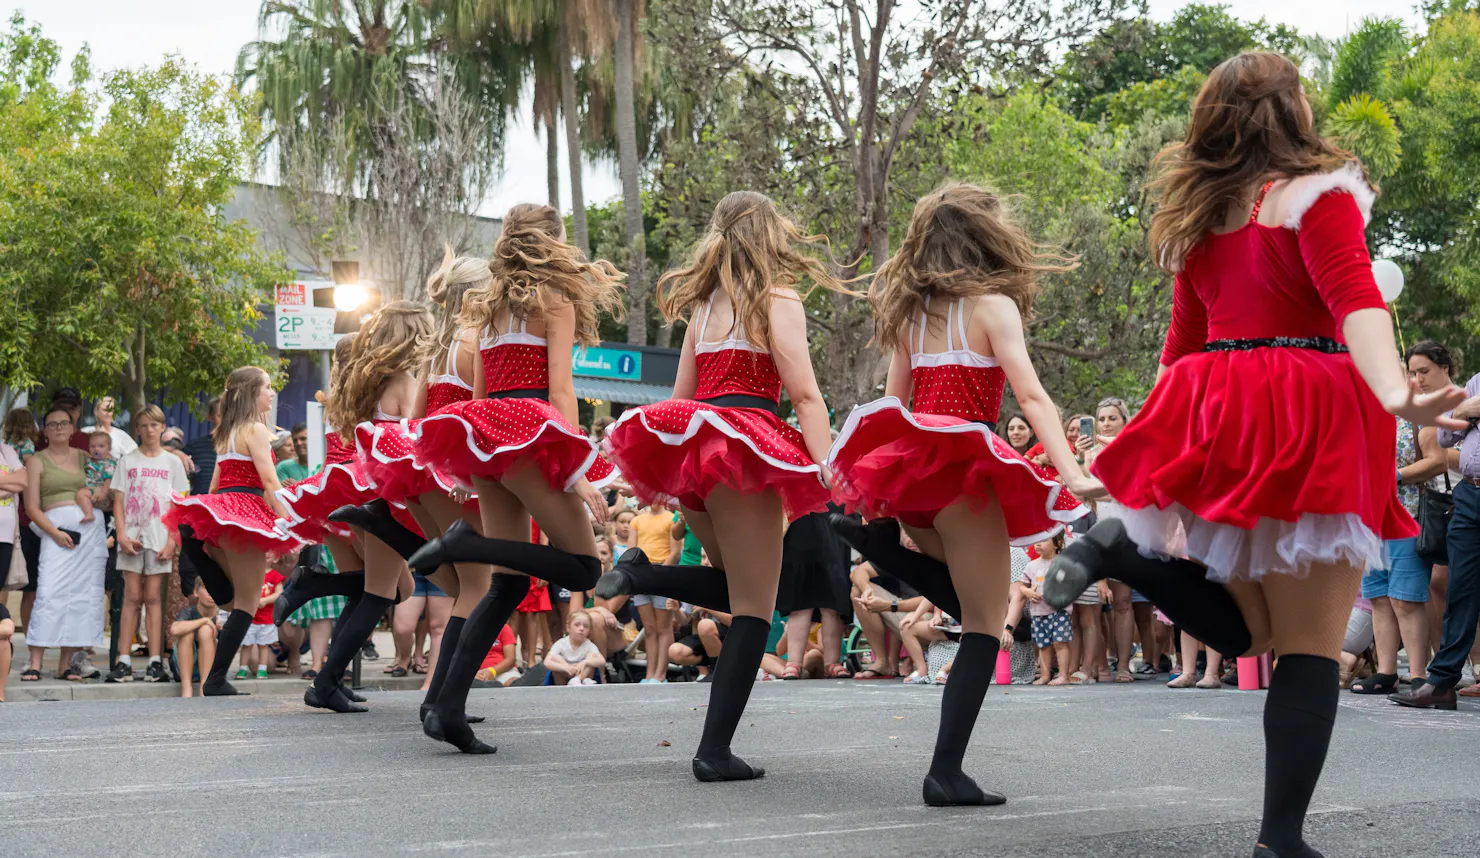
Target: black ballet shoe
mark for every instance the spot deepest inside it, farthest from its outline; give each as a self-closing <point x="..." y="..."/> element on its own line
<point x="334" y="700"/>
<point x="355" y="516"/>
<point x="221" y="689"/>
<point x="1084" y="561"/>
<point x="618" y="582"/>
<point x="451" y="547"/>
<point x="959" y="791"/>
<point x="351" y="693"/>
<point x="471" y="719"/>
<point x="296" y="592"/>
<point x="726" y="768"/>
<point x="1304" y="851"/>
<point x="455" y="733"/>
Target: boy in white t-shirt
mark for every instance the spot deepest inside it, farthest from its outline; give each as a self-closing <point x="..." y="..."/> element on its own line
<point x="142" y="485"/>
<point x="574" y="659"/>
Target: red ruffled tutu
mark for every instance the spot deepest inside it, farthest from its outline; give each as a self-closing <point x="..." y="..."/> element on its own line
<point x="309" y="501"/>
<point x="890" y="462"/>
<point x="235" y="520"/>
<point x="1269" y="459"/>
<point x="484" y="437"/>
<point x="389" y="460"/>
<point x="682" y="448"/>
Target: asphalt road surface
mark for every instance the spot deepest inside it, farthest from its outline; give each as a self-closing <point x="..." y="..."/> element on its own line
<point x="1101" y="771"/>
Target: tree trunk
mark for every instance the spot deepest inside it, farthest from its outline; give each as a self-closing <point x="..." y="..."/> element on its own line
<point x="134" y="375"/>
<point x="637" y="297"/>
<point x="580" y="236"/>
<point x="552" y="163"/>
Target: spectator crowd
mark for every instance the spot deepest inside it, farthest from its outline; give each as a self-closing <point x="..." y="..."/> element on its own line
<point x="82" y="498"/>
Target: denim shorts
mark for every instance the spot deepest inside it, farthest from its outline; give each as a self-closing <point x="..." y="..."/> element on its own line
<point x="1405" y="579"/>
<point x="425" y="587"/>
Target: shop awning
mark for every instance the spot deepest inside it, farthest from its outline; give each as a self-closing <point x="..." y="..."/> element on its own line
<point x="625" y="392"/>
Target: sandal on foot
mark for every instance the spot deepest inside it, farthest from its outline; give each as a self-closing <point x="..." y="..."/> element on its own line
<point x="398" y="671"/>
<point x="869" y="673"/>
<point x="1184" y="680"/>
<point x="1210" y="681"/>
<point x="30" y="674"/>
<point x="791" y="672"/>
<point x="1124" y="677"/>
<point x="1377" y="683"/>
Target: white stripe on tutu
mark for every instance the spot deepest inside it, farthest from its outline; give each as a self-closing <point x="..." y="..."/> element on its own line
<point x="706" y="415"/>
<point x="888" y="403"/>
<point x="1271" y="547"/>
<point x="315" y="485"/>
<point x="468" y="430"/>
<point x="276" y="534"/>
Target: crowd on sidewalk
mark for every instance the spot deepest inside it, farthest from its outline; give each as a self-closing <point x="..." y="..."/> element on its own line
<point x="84" y="499"/>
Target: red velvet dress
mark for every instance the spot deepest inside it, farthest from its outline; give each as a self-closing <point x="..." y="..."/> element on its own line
<point x="484" y="437"/>
<point x="227" y="519"/>
<point x="912" y="463"/>
<point x="341" y="481"/>
<point x="1271" y="454"/>
<point x="680" y="449"/>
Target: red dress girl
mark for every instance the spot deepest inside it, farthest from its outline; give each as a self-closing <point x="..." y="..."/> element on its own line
<point x="910" y="464"/>
<point x="234" y="512"/>
<point x="680" y="449"/>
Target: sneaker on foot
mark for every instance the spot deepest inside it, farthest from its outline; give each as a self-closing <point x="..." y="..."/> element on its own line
<point x="155" y="672"/>
<point x="261" y="673"/>
<point x="241" y="673"/>
<point x="369" y="653"/>
<point x="121" y="672"/>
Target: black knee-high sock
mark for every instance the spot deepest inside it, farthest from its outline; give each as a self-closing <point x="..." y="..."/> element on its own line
<point x="375" y="518"/>
<point x="1299" y="714"/>
<point x="228" y="642"/>
<point x="729" y="690"/>
<point x="479" y="631"/>
<point x="351" y="636"/>
<point x="347" y="584"/>
<point x="208" y="570"/>
<point x="960" y="703"/>
<point x="349" y="608"/>
<point x="451" y="634"/>
<point x="1180" y="588"/>
<point x="878" y="542"/>
<point x="462" y="544"/>
<point x="704" y="586"/>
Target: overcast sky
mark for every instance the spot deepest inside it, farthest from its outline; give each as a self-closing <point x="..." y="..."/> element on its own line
<point x="211" y="32"/>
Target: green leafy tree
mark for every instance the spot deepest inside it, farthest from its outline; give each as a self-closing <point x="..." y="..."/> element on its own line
<point x="119" y="268"/>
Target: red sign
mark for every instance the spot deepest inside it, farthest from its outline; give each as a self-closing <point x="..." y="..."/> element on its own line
<point x="292" y="295"/>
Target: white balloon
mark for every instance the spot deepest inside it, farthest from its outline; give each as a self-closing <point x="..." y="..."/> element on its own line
<point x="1389" y="279"/>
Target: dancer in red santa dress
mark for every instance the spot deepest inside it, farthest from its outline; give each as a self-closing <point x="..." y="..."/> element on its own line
<point x="516" y="441"/>
<point x="950" y="305"/>
<point x="718" y="448"/>
<point x="231" y="533"/>
<point x="1284" y="492"/>
<point x="375" y="388"/>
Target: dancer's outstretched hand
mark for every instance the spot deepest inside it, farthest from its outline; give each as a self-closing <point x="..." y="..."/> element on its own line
<point x="594" y="501"/>
<point x="1429" y="409"/>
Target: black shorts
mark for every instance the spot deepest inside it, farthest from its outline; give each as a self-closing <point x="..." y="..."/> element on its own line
<point x="31" y="551"/>
<point x="691" y="640"/>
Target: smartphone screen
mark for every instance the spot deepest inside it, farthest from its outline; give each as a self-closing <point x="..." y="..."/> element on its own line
<point x="1087" y="427"/>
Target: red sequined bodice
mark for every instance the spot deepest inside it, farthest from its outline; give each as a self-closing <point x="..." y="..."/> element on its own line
<point x="733" y="365"/>
<point x="336" y="452"/>
<point x="956" y="382"/>
<point x="237" y="471"/>
<point x="514" y="360"/>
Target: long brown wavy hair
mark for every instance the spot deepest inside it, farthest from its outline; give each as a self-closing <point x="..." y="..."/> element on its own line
<point x="961" y="242"/>
<point x="448" y="285"/>
<point x="1250" y="124"/>
<point x="532" y="264"/>
<point x="389" y="344"/>
<point x="239" y="404"/>
<point x="342" y="351"/>
<point x="749" y="248"/>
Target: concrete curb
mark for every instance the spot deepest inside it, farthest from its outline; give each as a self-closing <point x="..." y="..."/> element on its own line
<point x="53" y="691"/>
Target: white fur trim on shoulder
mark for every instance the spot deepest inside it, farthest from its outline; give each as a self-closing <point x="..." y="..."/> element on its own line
<point x="1303" y="192"/>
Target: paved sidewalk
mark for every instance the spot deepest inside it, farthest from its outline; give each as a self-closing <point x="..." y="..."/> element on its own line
<point x="51" y="689"/>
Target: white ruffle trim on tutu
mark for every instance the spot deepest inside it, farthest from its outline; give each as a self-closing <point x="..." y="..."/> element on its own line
<point x="289" y="496"/>
<point x="470" y="433"/>
<point x="706" y="415"/>
<point x="1272" y="547"/>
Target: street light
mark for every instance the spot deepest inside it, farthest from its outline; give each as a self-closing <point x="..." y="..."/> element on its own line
<point x="348" y="297"/>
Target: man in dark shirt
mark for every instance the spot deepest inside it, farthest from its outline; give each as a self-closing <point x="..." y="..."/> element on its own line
<point x="202" y="451"/>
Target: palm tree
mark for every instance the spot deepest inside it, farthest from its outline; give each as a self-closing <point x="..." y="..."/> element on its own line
<point x="628" y="13"/>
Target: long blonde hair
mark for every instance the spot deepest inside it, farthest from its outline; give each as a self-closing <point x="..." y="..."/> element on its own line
<point x="387" y="345"/>
<point x="961" y="243"/>
<point x="1250" y="122"/>
<point x="749" y="248"/>
<point x="532" y="264"/>
<point x="239" y="404"/>
<point x="446" y="288"/>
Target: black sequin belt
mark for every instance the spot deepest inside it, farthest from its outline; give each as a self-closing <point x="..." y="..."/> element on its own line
<point x="523" y="393"/>
<point x="240" y="490"/>
<point x="742" y="400"/>
<point x="1325" y="345"/>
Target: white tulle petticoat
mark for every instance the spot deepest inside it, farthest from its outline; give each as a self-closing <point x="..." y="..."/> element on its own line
<point x="1271" y="547"/>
